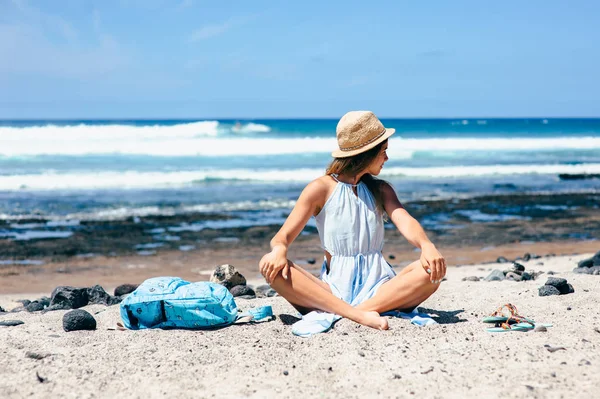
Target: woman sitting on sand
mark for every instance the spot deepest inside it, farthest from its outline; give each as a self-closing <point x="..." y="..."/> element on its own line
<point x="349" y="204"/>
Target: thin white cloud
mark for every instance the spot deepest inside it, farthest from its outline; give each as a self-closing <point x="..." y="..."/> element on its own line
<point x="31" y="44"/>
<point x="31" y="53"/>
<point x="213" y="30"/>
<point x="96" y="22"/>
<point x="185" y="4"/>
<point x="47" y="21"/>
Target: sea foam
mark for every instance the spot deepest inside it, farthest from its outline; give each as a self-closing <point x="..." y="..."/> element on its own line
<point x="204" y="139"/>
<point x="142" y="180"/>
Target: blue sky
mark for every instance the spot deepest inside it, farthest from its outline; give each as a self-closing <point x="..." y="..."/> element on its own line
<point x="244" y="59"/>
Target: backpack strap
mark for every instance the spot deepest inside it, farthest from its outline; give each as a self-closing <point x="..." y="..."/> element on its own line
<point x="255" y="314"/>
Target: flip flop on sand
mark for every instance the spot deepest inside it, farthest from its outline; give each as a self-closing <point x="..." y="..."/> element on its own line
<point x="513" y="327"/>
<point x="507" y="313"/>
<point x="507" y="318"/>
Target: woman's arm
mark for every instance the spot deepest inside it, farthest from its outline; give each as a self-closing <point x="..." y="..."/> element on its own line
<point x="411" y="229"/>
<point x="311" y="199"/>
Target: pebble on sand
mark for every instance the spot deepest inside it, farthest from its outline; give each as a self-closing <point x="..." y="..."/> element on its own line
<point x="242" y="290"/>
<point x="11" y="323"/>
<point x="125" y="289"/>
<point x="78" y="319"/>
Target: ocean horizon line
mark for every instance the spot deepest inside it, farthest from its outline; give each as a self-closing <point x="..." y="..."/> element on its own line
<point x="242" y="118"/>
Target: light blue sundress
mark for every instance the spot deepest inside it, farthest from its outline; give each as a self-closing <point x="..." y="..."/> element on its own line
<point x="352" y="231"/>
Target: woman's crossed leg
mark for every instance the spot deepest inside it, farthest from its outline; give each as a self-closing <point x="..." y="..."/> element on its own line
<point x="306" y="293"/>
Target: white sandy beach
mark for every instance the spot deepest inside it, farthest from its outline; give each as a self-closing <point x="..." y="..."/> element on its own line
<point x="454" y="359"/>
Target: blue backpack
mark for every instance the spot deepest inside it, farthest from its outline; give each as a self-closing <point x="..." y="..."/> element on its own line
<point x="170" y="302"/>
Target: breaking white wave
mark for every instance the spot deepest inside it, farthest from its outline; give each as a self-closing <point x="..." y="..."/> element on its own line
<point x="203" y="139"/>
<point x="250" y="128"/>
<point x="142" y="180"/>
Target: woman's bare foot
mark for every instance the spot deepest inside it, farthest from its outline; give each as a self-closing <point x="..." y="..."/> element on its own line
<point x="374" y="320"/>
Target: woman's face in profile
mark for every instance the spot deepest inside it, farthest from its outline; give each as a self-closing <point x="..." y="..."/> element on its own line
<point x="377" y="164"/>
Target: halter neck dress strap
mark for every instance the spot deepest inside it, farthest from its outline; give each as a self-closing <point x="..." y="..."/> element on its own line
<point x="335" y="177"/>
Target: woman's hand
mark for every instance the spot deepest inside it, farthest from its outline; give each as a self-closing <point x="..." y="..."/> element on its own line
<point x="433" y="262"/>
<point x="274" y="262"/>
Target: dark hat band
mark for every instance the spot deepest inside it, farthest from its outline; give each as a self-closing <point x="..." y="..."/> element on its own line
<point x="364" y="144"/>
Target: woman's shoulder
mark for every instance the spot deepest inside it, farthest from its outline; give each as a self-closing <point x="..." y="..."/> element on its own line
<point x="319" y="189"/>
<point x="321" y="184"/>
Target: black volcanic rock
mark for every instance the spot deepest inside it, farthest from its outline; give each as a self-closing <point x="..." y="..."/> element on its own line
<point x="125" y="289"/>
<point x="78" y="319"/>
<point x="66" y="297"/>
<point x="596" y="259"/>
<point x="11" y="323"/>
<point x="566" y="289"/>
<point x="547" y="290"/>
<point x="556" y="282"/>
<point x="242" y="290"/>
<point x="97" y="295"/>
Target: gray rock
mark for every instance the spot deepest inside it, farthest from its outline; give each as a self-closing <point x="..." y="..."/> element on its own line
<point x="470" y="278"/>
<point x="125" y="289"/>
<point x="551" y="273"/>
<point x="547" y="290"/>
<point x="35" y="306"/>
<point x="11" y="323"/>
<point x="78" y="319"/>
<point x="265" y="290"/>
<point x="39" y="304"/>
<point x="513" y="276"/>
<point x="502" y="259"/>
<point x="527" y="276"/>
<point x="527" y="257"/>
<point x="582" y="270"/>
<point x="242" y="290"/>
<point x="556" y="282"/>
<point x="518" y="267"/>
<point x="52" y="308"/>
<point x="66" y="297"/>
<point x="97" y="295"/>
<point x="227" y="275"/>
<point x="596" y="259"/>
<point x="566" y="289"/>
<point x="261" y="290"/>
<point x="594" y="270"/>
<point x="2" y="310"/>
<point x="117" y="299"/>
<point x="18" y="309"/>
<point x="24" y="302"/>
<point x="506" y="271"/>
<point x="495" y="275"/>
<point x="36" y="355"/>
<point x="586" y="263"/>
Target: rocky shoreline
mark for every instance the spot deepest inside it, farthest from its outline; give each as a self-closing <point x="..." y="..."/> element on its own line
<point x="467" y="231"/>
<point x="481" y="221"/>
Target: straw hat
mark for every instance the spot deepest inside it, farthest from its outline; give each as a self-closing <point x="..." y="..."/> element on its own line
<point x="359" y="131"/>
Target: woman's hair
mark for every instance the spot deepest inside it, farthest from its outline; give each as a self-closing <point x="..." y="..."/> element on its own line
<point x="352" y="166"/>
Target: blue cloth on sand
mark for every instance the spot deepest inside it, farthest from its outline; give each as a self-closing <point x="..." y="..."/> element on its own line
<point x="318" y="322"/>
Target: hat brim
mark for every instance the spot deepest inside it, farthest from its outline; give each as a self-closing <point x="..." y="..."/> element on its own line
<point x="346" y="154"/>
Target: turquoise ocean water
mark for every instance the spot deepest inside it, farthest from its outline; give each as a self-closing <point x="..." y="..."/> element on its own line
<point x="104" y="169"/>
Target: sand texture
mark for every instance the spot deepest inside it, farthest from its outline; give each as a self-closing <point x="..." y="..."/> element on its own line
<point x="455" y="359"/>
